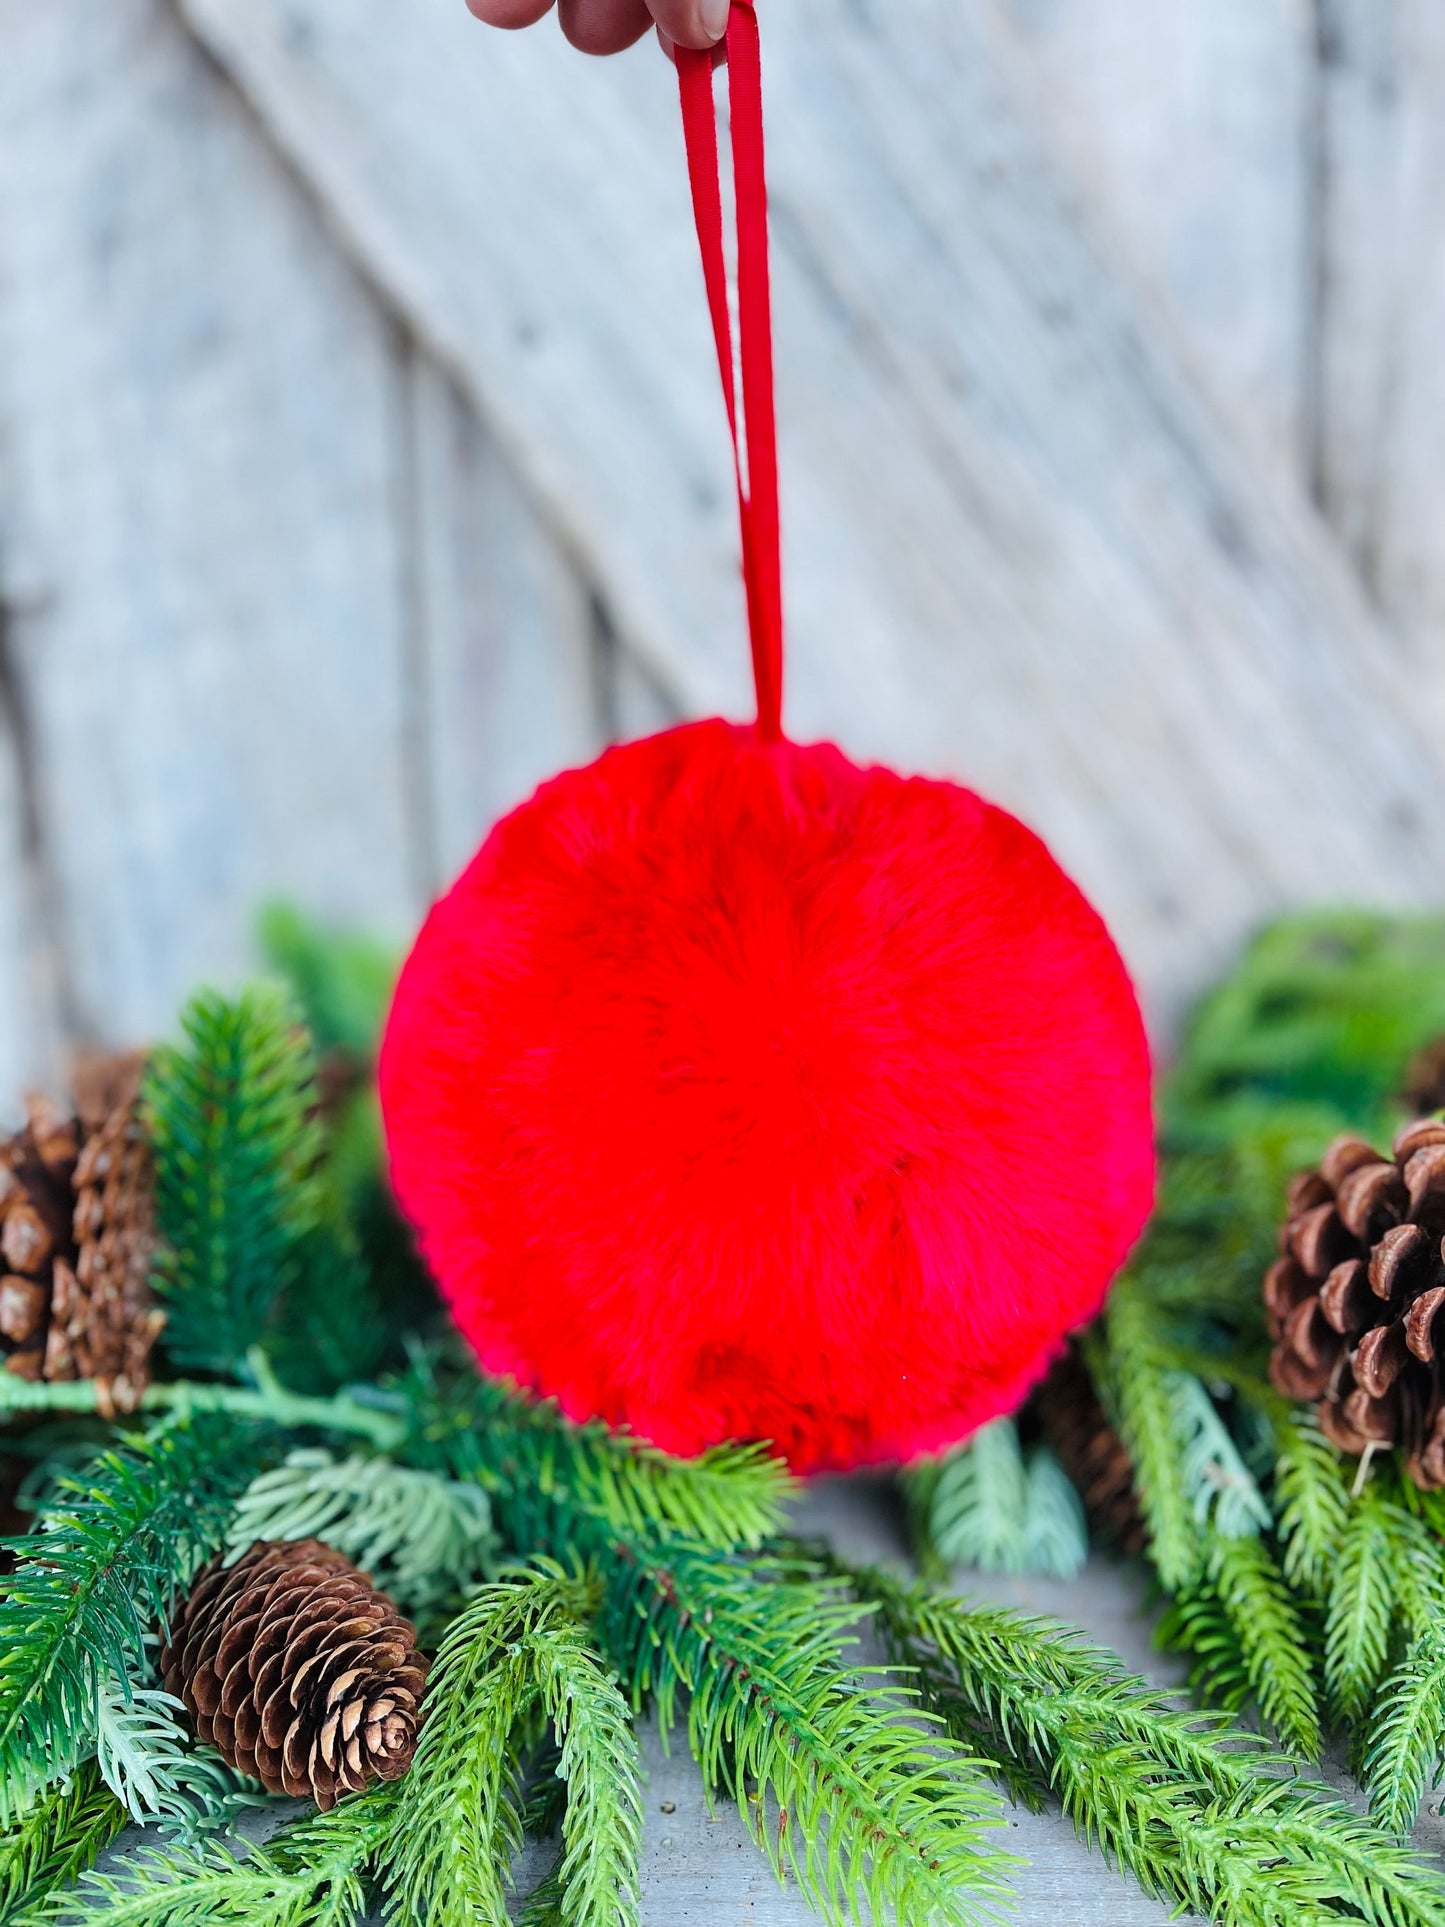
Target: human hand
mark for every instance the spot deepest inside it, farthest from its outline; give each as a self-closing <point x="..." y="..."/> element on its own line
<point x="607" y="26"/>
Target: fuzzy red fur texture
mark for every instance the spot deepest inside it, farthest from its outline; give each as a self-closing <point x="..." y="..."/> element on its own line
<point x="735" y="1091"/>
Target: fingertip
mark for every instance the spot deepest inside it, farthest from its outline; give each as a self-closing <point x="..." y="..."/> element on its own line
<point x="604" y="26"/>
<point x="509" y="14"/>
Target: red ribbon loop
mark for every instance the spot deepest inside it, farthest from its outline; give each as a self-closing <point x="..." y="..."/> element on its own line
<point x="751" y="416"/>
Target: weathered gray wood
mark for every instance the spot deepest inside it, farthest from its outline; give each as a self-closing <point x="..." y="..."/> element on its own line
<point x="1191" y="127"/>
<point x="202" y="410"/>
<point x="1021" y="547"/>
<point x="27" y="1034"/>
<point x="1381" y="290"/>
<point x="511" y="672"/>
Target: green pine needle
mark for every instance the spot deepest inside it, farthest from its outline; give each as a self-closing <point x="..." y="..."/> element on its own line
<point x="515" y="1645"/>
<point x="238" y="1151"/>
<point x="840" y="1781"/>
<point x="1360" y="1607"/>
<point x="118" y="1541"/>
<point x="990" y="1506"/>
<point x="545" y="1474"/>
<point x="1312" y="1494"/>
<point x="420" y="1536"/>
<point x="313" y="1874"/>
<point x="1243" y="1631"/>
<point x="150" y="1763"/>
<point x="1202" y="1814"/>
<point x="1406" y="1752"/>
<point x="53" y="1842"/>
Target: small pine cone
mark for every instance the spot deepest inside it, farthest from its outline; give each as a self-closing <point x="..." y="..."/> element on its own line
<point x="1091" y="1452"/>
<point x="1354" y="1299"/>
<point x="1425" y="1079"/>
<point x="77" y="1238"/>
<point x="298" y="1671"/>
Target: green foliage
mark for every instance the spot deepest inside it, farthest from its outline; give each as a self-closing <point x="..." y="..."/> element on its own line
<point x="1360" y="1608"/>
<point x="1405" y="1755"/>
<point x="118" y="1542"/>
<point x="342" y="981"/>
<point x="548" y="1478"/>
<point x="314" y="1874"/>
<point x="1201" y="1814"/>
<point x="53" y="1842"/>
<point x="515" y="1646"/>
<point x="1323" y="1013"/>
<point x="834" y="1772"/>
<point x="238" y="1151"/>
<point x="1243" y="1631"/>
<point x="149" y="1762"/>
<point x="992" y="1506"/>
<point x="1312" y="1494"/>
<point x="420" y="1536"/>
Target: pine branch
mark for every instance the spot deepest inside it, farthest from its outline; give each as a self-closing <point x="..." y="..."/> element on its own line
<point x="1406" y="1752"/>
<point x="360" y="1413"/>
<point x="870" y="1811"/>
<point x="419" y="1535"/>
<point x="342" y="981"/>
<point x="147" y="1759"/>
<point x="459" y="1826"/>
<point x="1146" y="1393"/>
<point x="237" y="1149"/>
<point x="118" y="1542"/>
<point x="1202" y="1815"/>
<point x="548" y="1477"/>
<point x="313" y="1874"/>
<point x="1244" y="1633"/>
<point x="56" y="1840"/>
<point x="1360" y="1608"/>
<point x="987" y="1505"/>
<point x="1312" y="1497"/>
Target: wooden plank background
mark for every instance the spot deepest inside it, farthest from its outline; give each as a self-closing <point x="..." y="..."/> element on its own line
<point x="360" y="461"/>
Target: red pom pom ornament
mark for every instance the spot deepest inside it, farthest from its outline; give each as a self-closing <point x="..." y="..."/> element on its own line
<point x="737" y="1092"/>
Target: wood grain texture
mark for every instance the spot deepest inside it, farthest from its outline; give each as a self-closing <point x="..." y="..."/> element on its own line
<point x="510" y="672"/>
<point x="1021" y="546"/>
<point x="1380" y="456"/>
<point x="1190" y="126"/>
<point x="203" y="406"/>
<point x="28" y="1036"/>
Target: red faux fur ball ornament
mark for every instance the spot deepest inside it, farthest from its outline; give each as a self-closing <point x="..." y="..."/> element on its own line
<point x="738" y="1092"/>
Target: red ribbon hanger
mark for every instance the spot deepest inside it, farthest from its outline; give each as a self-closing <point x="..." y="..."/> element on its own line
<point x="751" y="414"/>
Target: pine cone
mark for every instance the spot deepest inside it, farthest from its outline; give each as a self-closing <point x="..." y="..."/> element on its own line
<point x="1096" y="1459"/>
<point x="77" y="1238"/>
<point x="1425" y="1079"/>
<point x="298" y="1671"/>
<point x="1353" y="1302"/>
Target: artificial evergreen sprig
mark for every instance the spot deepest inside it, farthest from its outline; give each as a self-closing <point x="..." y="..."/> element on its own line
<point x="418" y="1535"/>
<point x="112" y="1550"/>
<point x="867" y="1805"/>
<point x="839" y="1778"/>
<point x="238" y="1150"/>
<point x="992" y="1505"/>
<point x="54" y="1841"/>
<point x="520" y="1647"/>
<point x="316" y="1873"/>
<point x="1202" y="1814"/>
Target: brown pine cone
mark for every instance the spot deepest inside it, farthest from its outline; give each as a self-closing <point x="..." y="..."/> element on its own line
<point x="1355" y="1297"/>
<point x="77" y="1238"/>
<point x="1096" y="1459"/>
<point x="1425" y="1079"/>
<point x="298" y="1671"/>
